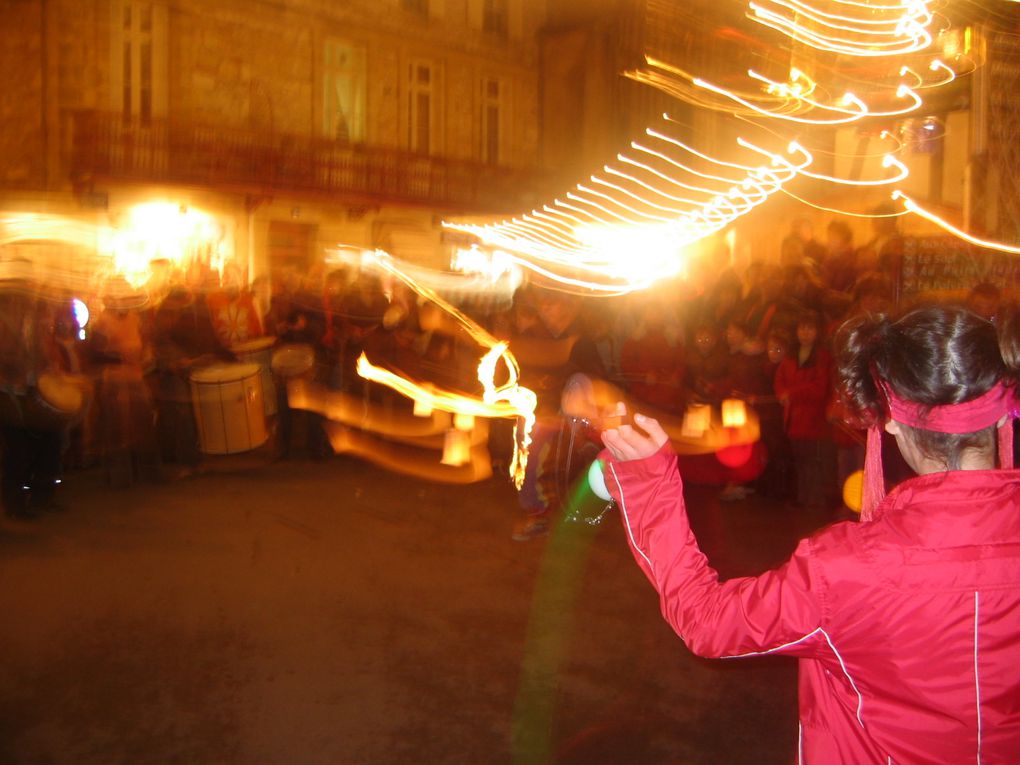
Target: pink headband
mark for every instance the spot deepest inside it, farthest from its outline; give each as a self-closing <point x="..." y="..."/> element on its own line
<point x="966" y="417"/>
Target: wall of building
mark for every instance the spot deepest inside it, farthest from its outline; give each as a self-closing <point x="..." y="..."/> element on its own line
<point x="256" y="65"/>
<point x="21" y="94"/>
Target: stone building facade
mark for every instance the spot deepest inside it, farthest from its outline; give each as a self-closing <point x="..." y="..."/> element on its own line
<point x="335" y="122"/>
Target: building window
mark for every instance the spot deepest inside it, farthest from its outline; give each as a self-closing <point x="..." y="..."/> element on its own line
<point x="138" y="59"/>
<point x="422" y="107"/>
<point x="344" y="82"/>
<point x="494" y="16"/>
<point x="493" y="95"/>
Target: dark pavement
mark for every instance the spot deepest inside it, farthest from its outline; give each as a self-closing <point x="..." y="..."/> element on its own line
<point x="331" y="612"/>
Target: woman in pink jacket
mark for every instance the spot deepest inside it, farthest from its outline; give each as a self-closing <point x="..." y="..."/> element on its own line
<point x="907" y="626"/>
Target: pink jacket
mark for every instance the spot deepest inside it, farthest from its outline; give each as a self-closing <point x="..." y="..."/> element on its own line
<point x="907" y="628"/>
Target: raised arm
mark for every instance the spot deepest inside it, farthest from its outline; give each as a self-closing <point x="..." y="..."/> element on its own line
<point x="781" y="610"/>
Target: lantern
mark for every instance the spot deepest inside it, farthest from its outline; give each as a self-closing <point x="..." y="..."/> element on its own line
<point x="697" y="420"/>
<point x="456" y="448"/>
<point x="734" y="413"/>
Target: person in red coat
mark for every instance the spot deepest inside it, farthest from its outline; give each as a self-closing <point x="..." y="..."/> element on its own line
<point x="907" y="626"/>
<point x="802" y="385"/>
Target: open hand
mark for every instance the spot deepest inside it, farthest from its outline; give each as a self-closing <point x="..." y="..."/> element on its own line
<point x="629" y="443"/>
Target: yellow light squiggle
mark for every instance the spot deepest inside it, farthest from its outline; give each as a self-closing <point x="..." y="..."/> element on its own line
<point x="859" y="29"/>
<point x="915" y="208"/>
<point x="509" y="399"/>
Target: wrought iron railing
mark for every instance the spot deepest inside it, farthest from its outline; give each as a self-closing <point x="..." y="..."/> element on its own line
<point x="105" y="145"/>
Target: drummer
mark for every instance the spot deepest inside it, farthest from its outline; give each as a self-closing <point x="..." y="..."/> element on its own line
<point x="183" y="340"/>
<point x="31" y="453"/>
<point x="300" y="327"/>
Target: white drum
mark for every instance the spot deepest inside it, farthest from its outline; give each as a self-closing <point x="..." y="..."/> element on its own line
<point x="228" y="408"/>
<point x="260" y="351"/>
<point x="293" y="360"/>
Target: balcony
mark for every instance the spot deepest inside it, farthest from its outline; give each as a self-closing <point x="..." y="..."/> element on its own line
<point x="105" y="146"/>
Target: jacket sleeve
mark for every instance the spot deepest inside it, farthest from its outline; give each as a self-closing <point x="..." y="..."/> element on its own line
<point x="778" y="611"/>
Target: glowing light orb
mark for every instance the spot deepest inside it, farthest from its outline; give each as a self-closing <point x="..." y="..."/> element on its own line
<point x="597" y="481"/>
<point x="81" y="312"/>
<point x="853" y="491"/>
<point x="735" y="456"/>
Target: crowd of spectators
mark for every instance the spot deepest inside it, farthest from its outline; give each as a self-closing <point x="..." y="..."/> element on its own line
<point x="760" y="334"/>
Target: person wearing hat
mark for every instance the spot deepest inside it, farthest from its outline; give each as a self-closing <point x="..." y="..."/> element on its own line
<point x="906" y="625"/>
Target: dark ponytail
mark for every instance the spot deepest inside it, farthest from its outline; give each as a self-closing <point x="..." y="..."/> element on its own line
<point x="931" y="356"/>
<point x="860" y="344"/>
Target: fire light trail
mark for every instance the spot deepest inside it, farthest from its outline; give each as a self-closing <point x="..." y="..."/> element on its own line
<point x="859" y="29"/>
<point x="509" y="399"/>
<point x="628" y="232"/>
<point x="915" y="208"/>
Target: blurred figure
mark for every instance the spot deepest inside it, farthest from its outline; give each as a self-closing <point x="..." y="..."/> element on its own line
<point x="361" y="312"/>
<point x="746" y="380"/>
<point x="232" y="309"/>
<point x="32" y="431"/>
<point x="652" y="361"/>
<point x="707" y="366"/>
<point x="121" y="343"/>
<point x="839" y="269"/>
<point x="183" y="341"/>
<point x="776" y="481"/>
<point x="553" y="346"/>
<point x="800" y="244"/>
<point x="884" y="251"/>
<point x="802" y="385"/>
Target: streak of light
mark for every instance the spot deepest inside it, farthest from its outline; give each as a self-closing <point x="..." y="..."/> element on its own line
<point x="407" y="459"/>
<point x="845" y="115"/>
<point x="354" y="411"/>
<point x="508" y="399"/>
<point x="936" y="65"/>
<point x="915" y="208"/>
<point x="629" y="232"/>
<point x="843" y="212"/>
<point x="859" y="29"/>
<point x="887" y="161"/>
<point x="471" y="271"/>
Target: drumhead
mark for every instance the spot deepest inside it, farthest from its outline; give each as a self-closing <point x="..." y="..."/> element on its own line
<point x="221" y="373"/>
<point x="292" y="360"/>
<point x="253" y="345"/>
<point x="60" y="393"/>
